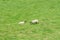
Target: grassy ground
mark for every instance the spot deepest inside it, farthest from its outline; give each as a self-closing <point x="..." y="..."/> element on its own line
<point x="13" y="11"/>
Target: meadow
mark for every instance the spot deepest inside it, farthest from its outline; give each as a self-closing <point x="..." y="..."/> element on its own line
<point x="46" y="11"/>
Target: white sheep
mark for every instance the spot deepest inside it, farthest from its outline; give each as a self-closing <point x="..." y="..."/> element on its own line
<point x="22" y="22"/>
<point x="35" y="21"/>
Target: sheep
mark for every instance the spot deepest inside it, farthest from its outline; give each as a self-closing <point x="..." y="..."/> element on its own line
<point x="36" y="21"/>
<point x="22" y="22"/>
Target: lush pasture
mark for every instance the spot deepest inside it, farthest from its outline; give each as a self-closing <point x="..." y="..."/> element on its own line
<point x="13" y="11"/>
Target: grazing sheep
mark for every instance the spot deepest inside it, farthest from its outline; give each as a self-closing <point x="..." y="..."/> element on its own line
<point x="34" y="21"/>
<point x="22" y="22"/>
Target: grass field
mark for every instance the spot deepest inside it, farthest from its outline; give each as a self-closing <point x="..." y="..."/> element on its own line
<point x="46" y="11"/>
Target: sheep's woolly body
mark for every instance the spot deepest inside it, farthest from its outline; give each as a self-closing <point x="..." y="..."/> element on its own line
<point x="22" y="22"/>
<point x="34" y="21"/>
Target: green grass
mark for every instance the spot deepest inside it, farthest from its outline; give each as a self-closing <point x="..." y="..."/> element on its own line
<point x="13" y="11"/>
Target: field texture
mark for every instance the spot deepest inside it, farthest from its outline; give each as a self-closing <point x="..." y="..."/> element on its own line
<point x="46" y="11"/>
